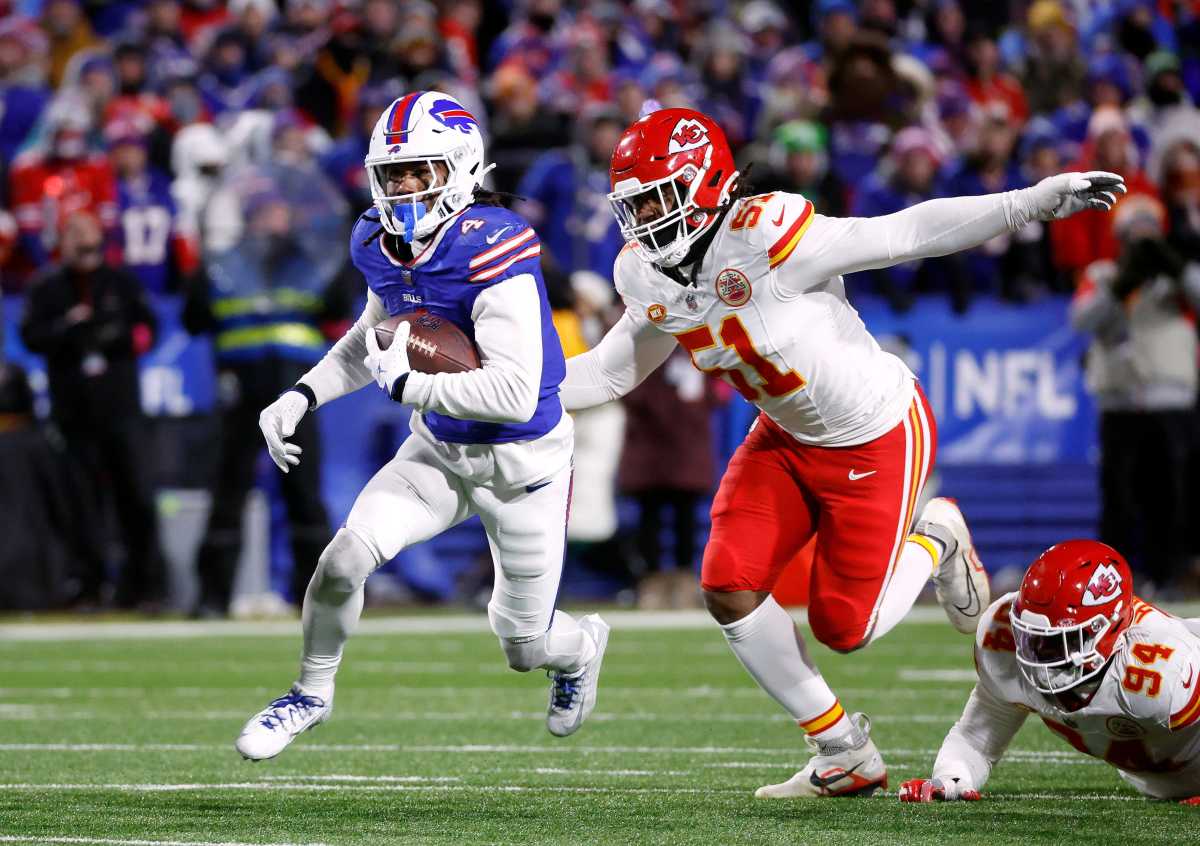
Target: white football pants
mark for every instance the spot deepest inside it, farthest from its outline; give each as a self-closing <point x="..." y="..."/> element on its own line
<point x="415" y="497"/>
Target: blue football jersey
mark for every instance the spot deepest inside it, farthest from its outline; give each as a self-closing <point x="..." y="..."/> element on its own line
<point x="147" y="218"/>
<point x="478" y="248"/>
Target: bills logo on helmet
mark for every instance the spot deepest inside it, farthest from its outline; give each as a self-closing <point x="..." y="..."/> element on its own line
<point x="733" y="287"/>
<point x="1104" y="586"/>
<point x="687" y="135"/>
<point x="453" y="116"/>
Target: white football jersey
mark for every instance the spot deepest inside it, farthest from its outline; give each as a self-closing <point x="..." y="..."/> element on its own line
<point x="1144" y="719"/>
<point x="762" y="317"/>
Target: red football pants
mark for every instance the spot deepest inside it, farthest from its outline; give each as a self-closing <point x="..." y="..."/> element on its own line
<point x="859" y="501"/>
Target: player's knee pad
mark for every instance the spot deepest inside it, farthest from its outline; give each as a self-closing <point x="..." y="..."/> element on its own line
<point x="525" y="654"/>
<point x="838" y="627"/>
<point x="344" y="565"/>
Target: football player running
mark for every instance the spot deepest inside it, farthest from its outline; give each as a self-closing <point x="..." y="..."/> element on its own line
<point x="492" y="441"/>
<point x="1112" y="675"/>
<point x="752" y="287"/>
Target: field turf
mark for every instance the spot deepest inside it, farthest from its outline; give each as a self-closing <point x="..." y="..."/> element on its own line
<point x="433" y="740"/>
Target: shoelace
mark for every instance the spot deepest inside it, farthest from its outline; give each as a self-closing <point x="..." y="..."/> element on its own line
<point x="566" y="688"/>
<point x="293" y="704"/>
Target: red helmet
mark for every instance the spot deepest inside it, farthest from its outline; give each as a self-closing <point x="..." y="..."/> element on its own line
<point x="1075" y="602"/>
<point x="680" y="159"/>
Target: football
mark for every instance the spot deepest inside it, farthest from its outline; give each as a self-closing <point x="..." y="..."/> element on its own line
<point x="435" y="345"/>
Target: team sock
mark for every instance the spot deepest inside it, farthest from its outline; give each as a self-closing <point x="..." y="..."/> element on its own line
<point x="772" y="650"/>
<point x="918" y="559"/>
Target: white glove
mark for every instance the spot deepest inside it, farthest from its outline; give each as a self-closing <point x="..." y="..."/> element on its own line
<point x="386" y="366"/>
<point x="1056" y="197"/>
<point x="278" y="421"/>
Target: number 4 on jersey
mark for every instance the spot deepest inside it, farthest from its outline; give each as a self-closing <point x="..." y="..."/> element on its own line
<point x="774" y="382"/>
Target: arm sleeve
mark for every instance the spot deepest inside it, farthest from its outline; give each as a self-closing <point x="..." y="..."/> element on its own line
<point x="625" y="356"/>
<point x="341" y="370"/>
<point x="508" y="333"/>
<point x="978" y="740"/>
<point x="833" y="246"/>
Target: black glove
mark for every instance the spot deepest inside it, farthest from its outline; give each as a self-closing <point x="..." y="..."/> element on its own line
<point x="1138" y="264"/>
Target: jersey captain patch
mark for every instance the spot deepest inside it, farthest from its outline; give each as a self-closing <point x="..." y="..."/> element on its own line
<point x="733" y="287"/>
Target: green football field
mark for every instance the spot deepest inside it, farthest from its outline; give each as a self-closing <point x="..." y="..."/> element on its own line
<point x="124" y="736"/>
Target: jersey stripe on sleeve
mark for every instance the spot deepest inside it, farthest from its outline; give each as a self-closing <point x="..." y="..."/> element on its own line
<point x="501" y="249"/>
<point x="495" y="270"/>
<point x="1189" y="713"/>
<point x="783" y="248"/>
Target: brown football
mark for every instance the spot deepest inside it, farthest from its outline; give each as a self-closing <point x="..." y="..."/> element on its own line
<point x="435" y="345"/>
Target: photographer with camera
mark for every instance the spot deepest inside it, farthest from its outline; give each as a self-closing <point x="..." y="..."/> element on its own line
<point x="1142" y="369"/>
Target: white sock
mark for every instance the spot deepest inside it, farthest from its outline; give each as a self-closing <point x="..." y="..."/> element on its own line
<point x="568" y="647"/>
<point x="917" y="562"/>
<point x="772" y="650"/>
<point x="333" y="604"/>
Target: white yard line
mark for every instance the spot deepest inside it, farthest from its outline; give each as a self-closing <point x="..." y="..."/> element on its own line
<point x="363" y="788"/>
<point x="105" y="841"/>
<point x="414" y="779"/>
<point x="1059" y="756"/>
<point x="432" y="624"/>
<point x="52" y="713"/>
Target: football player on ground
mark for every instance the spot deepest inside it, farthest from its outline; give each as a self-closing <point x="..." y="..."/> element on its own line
<point x="492" y="441"/>
<point x="1112" y="675"/>
<point x="752" y="287"/>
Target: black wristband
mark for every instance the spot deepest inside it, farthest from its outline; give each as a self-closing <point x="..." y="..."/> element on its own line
<point x="398" y="388"/>
<point x="306" y="392"/>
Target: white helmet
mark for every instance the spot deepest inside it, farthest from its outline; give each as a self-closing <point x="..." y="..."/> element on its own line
<point x="427" y="127"/>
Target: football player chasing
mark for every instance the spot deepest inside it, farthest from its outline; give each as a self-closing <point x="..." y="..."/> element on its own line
<point x="752" y="287"/>
<point x="493" y="441"/>
<point x="1112" y="675"/>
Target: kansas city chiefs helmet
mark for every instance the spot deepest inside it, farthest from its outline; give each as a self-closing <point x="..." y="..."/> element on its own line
<point x="679" y="160"/>
<point x="425" y="127"/>
<point x="1074" y="604"/>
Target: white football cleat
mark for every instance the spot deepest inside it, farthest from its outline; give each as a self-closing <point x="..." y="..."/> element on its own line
<point x="960" y="582"/>
<point x="270" y="730"/>
<point x="835" y="770"/>
<point x="573" y="697"/>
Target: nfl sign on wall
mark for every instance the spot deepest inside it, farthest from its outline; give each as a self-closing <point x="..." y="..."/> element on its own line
<point x="1005" y="381"/>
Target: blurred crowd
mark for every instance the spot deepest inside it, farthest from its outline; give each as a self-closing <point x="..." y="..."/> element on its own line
<point x="206" y="139"/>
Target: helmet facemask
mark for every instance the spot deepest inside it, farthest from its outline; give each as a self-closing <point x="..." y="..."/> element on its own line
<point x="408" y="215"/>
<point x="667" y="239"/>
<point x="1055" y="659"/>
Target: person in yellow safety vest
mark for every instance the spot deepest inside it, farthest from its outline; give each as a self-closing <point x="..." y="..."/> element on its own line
<point x="267" y="303"/>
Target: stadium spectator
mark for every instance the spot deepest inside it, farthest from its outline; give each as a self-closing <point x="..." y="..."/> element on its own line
<point x="23" y="91"/>
<point x="521" y="129"/>
<point x="264" y="300"/>
<point x="908" y="176"/>
<point x="1142" y="369"/>
<point x="566" y="196"/>
<point x="68" y="31"/>
<point x="91" y="322"/>
<point x="987" y="83"/>
<point x="1088" y="236"/>
<point x="799" y="160"/>
<point x="1053" y="71"/>
<point x="51" y="554"/>
<point x="49" y="185"/>
<point x="665" y="472"/>
<point x="152" y="246"/>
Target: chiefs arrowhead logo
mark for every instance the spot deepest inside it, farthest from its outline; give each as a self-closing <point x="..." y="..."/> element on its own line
<point x="1104" y="586"/>
<point x="687" y="135"/>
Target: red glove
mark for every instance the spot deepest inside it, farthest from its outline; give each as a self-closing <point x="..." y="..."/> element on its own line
<point x="934" y="790"/>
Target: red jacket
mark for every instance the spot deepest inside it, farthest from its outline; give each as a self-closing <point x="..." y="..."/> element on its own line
<point x="1088" y="236"/>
